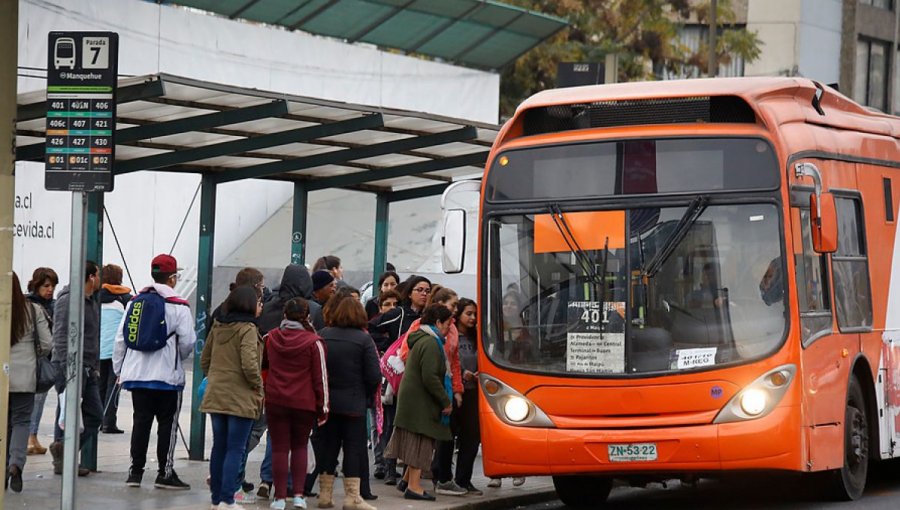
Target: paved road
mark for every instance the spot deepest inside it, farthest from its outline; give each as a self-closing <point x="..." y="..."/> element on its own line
<point x="753" y="492"/>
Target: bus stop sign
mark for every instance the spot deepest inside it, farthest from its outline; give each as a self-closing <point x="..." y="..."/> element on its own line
<point x="81" y="111"/>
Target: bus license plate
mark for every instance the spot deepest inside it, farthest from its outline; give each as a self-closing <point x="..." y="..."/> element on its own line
<point x="634" y="452"/>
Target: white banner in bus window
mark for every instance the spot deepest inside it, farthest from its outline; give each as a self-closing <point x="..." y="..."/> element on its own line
<point x="589" y="351"/>
<point x="693" y="358"/>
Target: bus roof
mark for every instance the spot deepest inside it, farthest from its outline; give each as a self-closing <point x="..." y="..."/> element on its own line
<point x="776" y="100"/>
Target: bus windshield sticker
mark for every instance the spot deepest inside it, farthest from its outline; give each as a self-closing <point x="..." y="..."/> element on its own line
<point x="693" y="358"/>
<point x="595" y="339"/>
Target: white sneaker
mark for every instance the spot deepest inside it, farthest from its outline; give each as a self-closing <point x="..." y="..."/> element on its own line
<point x="495" y="483"/>
<point x="278" y="504"/>
<point x="242" y="497"/>
<point x="233" y="506"/>
<point x="300" y="502"/>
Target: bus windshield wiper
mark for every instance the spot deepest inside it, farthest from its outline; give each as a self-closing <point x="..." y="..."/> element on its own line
<point x="694" y="210"/>
<point x="584" y="260"/>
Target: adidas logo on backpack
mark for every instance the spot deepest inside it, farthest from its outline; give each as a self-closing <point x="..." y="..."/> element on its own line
<point x="145" y="327"/>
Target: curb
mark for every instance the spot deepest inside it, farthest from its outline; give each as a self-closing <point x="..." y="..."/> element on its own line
<point x="530" y="498"/>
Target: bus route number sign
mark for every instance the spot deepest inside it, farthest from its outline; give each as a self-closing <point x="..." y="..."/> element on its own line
<point x="81" y="111"/>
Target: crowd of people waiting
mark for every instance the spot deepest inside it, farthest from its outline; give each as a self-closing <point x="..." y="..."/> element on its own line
<point x="308" y="363"/>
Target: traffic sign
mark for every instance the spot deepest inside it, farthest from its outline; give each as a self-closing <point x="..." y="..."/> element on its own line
<point x="81" y="111"/>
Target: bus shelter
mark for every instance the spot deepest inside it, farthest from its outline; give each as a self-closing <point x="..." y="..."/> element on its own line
<point x="225" y="134"/>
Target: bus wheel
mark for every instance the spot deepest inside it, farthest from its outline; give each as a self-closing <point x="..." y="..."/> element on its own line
<point x="582" y="491"/>
<point x="850" y="480"/>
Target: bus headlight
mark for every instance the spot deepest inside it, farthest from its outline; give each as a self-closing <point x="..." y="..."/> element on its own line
<point x="512" y="407"/>
<point x="760" y="397"/>
<point x="753" y="401"/>
<point x="516" y="409"/>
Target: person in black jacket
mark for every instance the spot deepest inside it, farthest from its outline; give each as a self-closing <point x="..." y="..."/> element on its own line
<point x="389" y="280"/>
<point x="353" y="377"/>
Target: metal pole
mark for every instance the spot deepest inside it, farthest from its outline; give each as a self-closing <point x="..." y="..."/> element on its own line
<point x="74" y="360"/>
<point x="94" y="252"/>
<point x="382" y="218"/>
<point x="298" y="237"/>
<point x="205" y="263"/>
<point x="713" y="69"/>
<point x="9" y="38"/>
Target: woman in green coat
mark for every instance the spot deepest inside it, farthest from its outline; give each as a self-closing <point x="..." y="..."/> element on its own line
<point x="424" y="400"/>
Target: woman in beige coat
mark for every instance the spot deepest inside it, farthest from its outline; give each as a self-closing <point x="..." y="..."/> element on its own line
<point x="30" y="337"/>
<point x="231" y="360"/>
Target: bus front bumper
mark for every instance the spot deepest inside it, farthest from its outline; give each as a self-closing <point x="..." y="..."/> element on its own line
<point x="772" y="442"/>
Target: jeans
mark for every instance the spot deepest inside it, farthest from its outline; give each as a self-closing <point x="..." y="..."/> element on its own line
<point x="289" y="433"/>
<point x="162" y="405"/>
<point x="38" y="412"/>
<point x="107" y="387"/>
<point x="230" y="435"/>
<point x="19" y="421"/>
<point x="256" y="433"/>
<point x="91" y="408"/>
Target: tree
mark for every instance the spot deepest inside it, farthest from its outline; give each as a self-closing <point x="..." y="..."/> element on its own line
<point x="644" y="33"/>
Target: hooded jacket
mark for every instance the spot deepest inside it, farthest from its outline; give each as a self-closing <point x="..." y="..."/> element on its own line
<point x="231" y="361"/>
<point x="113" y="300"/>
<point x="298" y="374"/>
<point x="91" y="349"/>
<point x="295" y="282"/>
<point x="162" y="369"/>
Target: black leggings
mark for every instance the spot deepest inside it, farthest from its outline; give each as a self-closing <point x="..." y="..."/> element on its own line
<point x="347" y="433"/>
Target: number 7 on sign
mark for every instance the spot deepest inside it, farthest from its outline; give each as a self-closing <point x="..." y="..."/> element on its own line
<point x="95" y="53"/>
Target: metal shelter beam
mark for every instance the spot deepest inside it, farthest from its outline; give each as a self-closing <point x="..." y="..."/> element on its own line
<point x="411" y="194"/>
<point x="421" y="167"/>
<point x="335" y="157"/>
<point x="126" y="94"/>
<point x="298" y="232"/>
<point x="205" y="264"/>
<point x="93" y="252"/>
<point x="304" y="134"/>
<point x="382" y="221"/>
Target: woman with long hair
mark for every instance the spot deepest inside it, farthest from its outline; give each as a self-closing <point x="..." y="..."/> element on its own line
<point x="232" y="361"/>
<point x="424" y="402"/>
<point x="466" y="417"/>
<point x="296" y="396"/>
<point x="29" y="338"/>
<point x="41" y="290"/>
<point x="387" y="281"/>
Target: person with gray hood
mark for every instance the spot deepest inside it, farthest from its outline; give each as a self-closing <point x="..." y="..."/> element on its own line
<point x="91" y="407"/>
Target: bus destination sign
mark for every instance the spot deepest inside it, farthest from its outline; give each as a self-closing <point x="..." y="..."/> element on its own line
<point x="81" y="111"/>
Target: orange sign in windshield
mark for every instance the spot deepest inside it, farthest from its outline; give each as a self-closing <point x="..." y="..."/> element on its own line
<point x="590" y="229"/>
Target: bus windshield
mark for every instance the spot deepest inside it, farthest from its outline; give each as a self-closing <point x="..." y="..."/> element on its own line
<point x="638" y="290"/>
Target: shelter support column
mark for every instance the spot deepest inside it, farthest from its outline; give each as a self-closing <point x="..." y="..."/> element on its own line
<point x="9" y="38"/>
<point x="382" y="217"/>
<point x="94" y="252"/>
<point x="298" y="233"/>
<point x="205" y="262"/>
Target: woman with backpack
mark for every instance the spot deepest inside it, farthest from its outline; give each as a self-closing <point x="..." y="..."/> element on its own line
<point x="296" y="396"/>
<point x="232" y="361"/>
<point x="29" y="338"/>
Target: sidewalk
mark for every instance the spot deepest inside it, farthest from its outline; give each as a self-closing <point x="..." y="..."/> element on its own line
<point x="106" y="489"/>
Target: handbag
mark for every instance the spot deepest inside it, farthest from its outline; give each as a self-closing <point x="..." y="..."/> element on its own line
<point x="45" y="374"/>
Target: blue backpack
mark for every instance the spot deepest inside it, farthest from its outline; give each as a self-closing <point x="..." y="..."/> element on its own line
<point x="145" y="326"/>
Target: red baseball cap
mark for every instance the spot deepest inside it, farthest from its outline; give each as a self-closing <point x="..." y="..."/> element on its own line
<point x="164" y="264"/>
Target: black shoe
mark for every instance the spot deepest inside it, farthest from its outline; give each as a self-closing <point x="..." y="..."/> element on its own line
<point x="246" y="486"/>
<point x="171" y="483"/>
<point x="391" y="479"/>
<point x="402" y="485"/>
<point x="112" y="430"/>
<point x="83" y="471"/>
<point x="379" y="473"/>
<point x="15" y="478"/>
<point x="134" y="477"/>
<point x="369" y="497"/>
<point x="425" y="496"/>
<point x="471" y="489"/>
<point x="264" y="489"/>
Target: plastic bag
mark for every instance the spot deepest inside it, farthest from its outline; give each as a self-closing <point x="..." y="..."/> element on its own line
<point x="62" y="414"/>
<point x="310" y="457"/>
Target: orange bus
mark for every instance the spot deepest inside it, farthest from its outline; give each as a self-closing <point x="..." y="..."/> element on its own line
<point x="686" y="278"/>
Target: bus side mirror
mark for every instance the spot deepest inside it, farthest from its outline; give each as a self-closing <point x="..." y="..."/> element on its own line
<point x="823" y="222"/>
<point x="453" y="240"/>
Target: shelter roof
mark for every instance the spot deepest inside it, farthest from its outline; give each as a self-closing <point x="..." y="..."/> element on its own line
<point x="171" y="123"/>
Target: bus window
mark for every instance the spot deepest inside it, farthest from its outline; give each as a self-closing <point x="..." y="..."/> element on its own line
<point x="812" y="284"/>
<point x="853" y="301"/>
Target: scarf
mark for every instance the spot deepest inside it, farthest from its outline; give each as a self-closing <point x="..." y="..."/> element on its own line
<point x="448" y="384"/>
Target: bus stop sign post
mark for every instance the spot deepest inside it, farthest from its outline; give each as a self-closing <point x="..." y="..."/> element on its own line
<point x="80" y="150"/>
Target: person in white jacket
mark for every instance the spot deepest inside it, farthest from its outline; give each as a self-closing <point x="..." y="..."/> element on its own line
<point x="156" y="378"/>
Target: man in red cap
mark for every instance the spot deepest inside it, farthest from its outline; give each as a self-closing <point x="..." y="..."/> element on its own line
<point x="152" y="344"/>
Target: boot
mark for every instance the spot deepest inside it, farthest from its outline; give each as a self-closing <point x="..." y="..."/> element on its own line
<point x="34" y="446"/>
<point x="352" y="498"/>
<point x="56" y="450"/>
<point x="326" y="488"/>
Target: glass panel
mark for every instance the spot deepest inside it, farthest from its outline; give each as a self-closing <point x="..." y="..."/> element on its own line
<point x="861" y="82"/>
<point x="716" y="298"/>
<point x="849" y="242"/>
<point x="632" y="167"/>
<point x="877" y="76"/>
<point x="812" y="284"/>
<point x="852" y="300"/>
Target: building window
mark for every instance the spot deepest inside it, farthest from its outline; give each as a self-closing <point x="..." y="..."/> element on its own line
<point x="884" y="4"/>
<point x="870" y="85"/>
